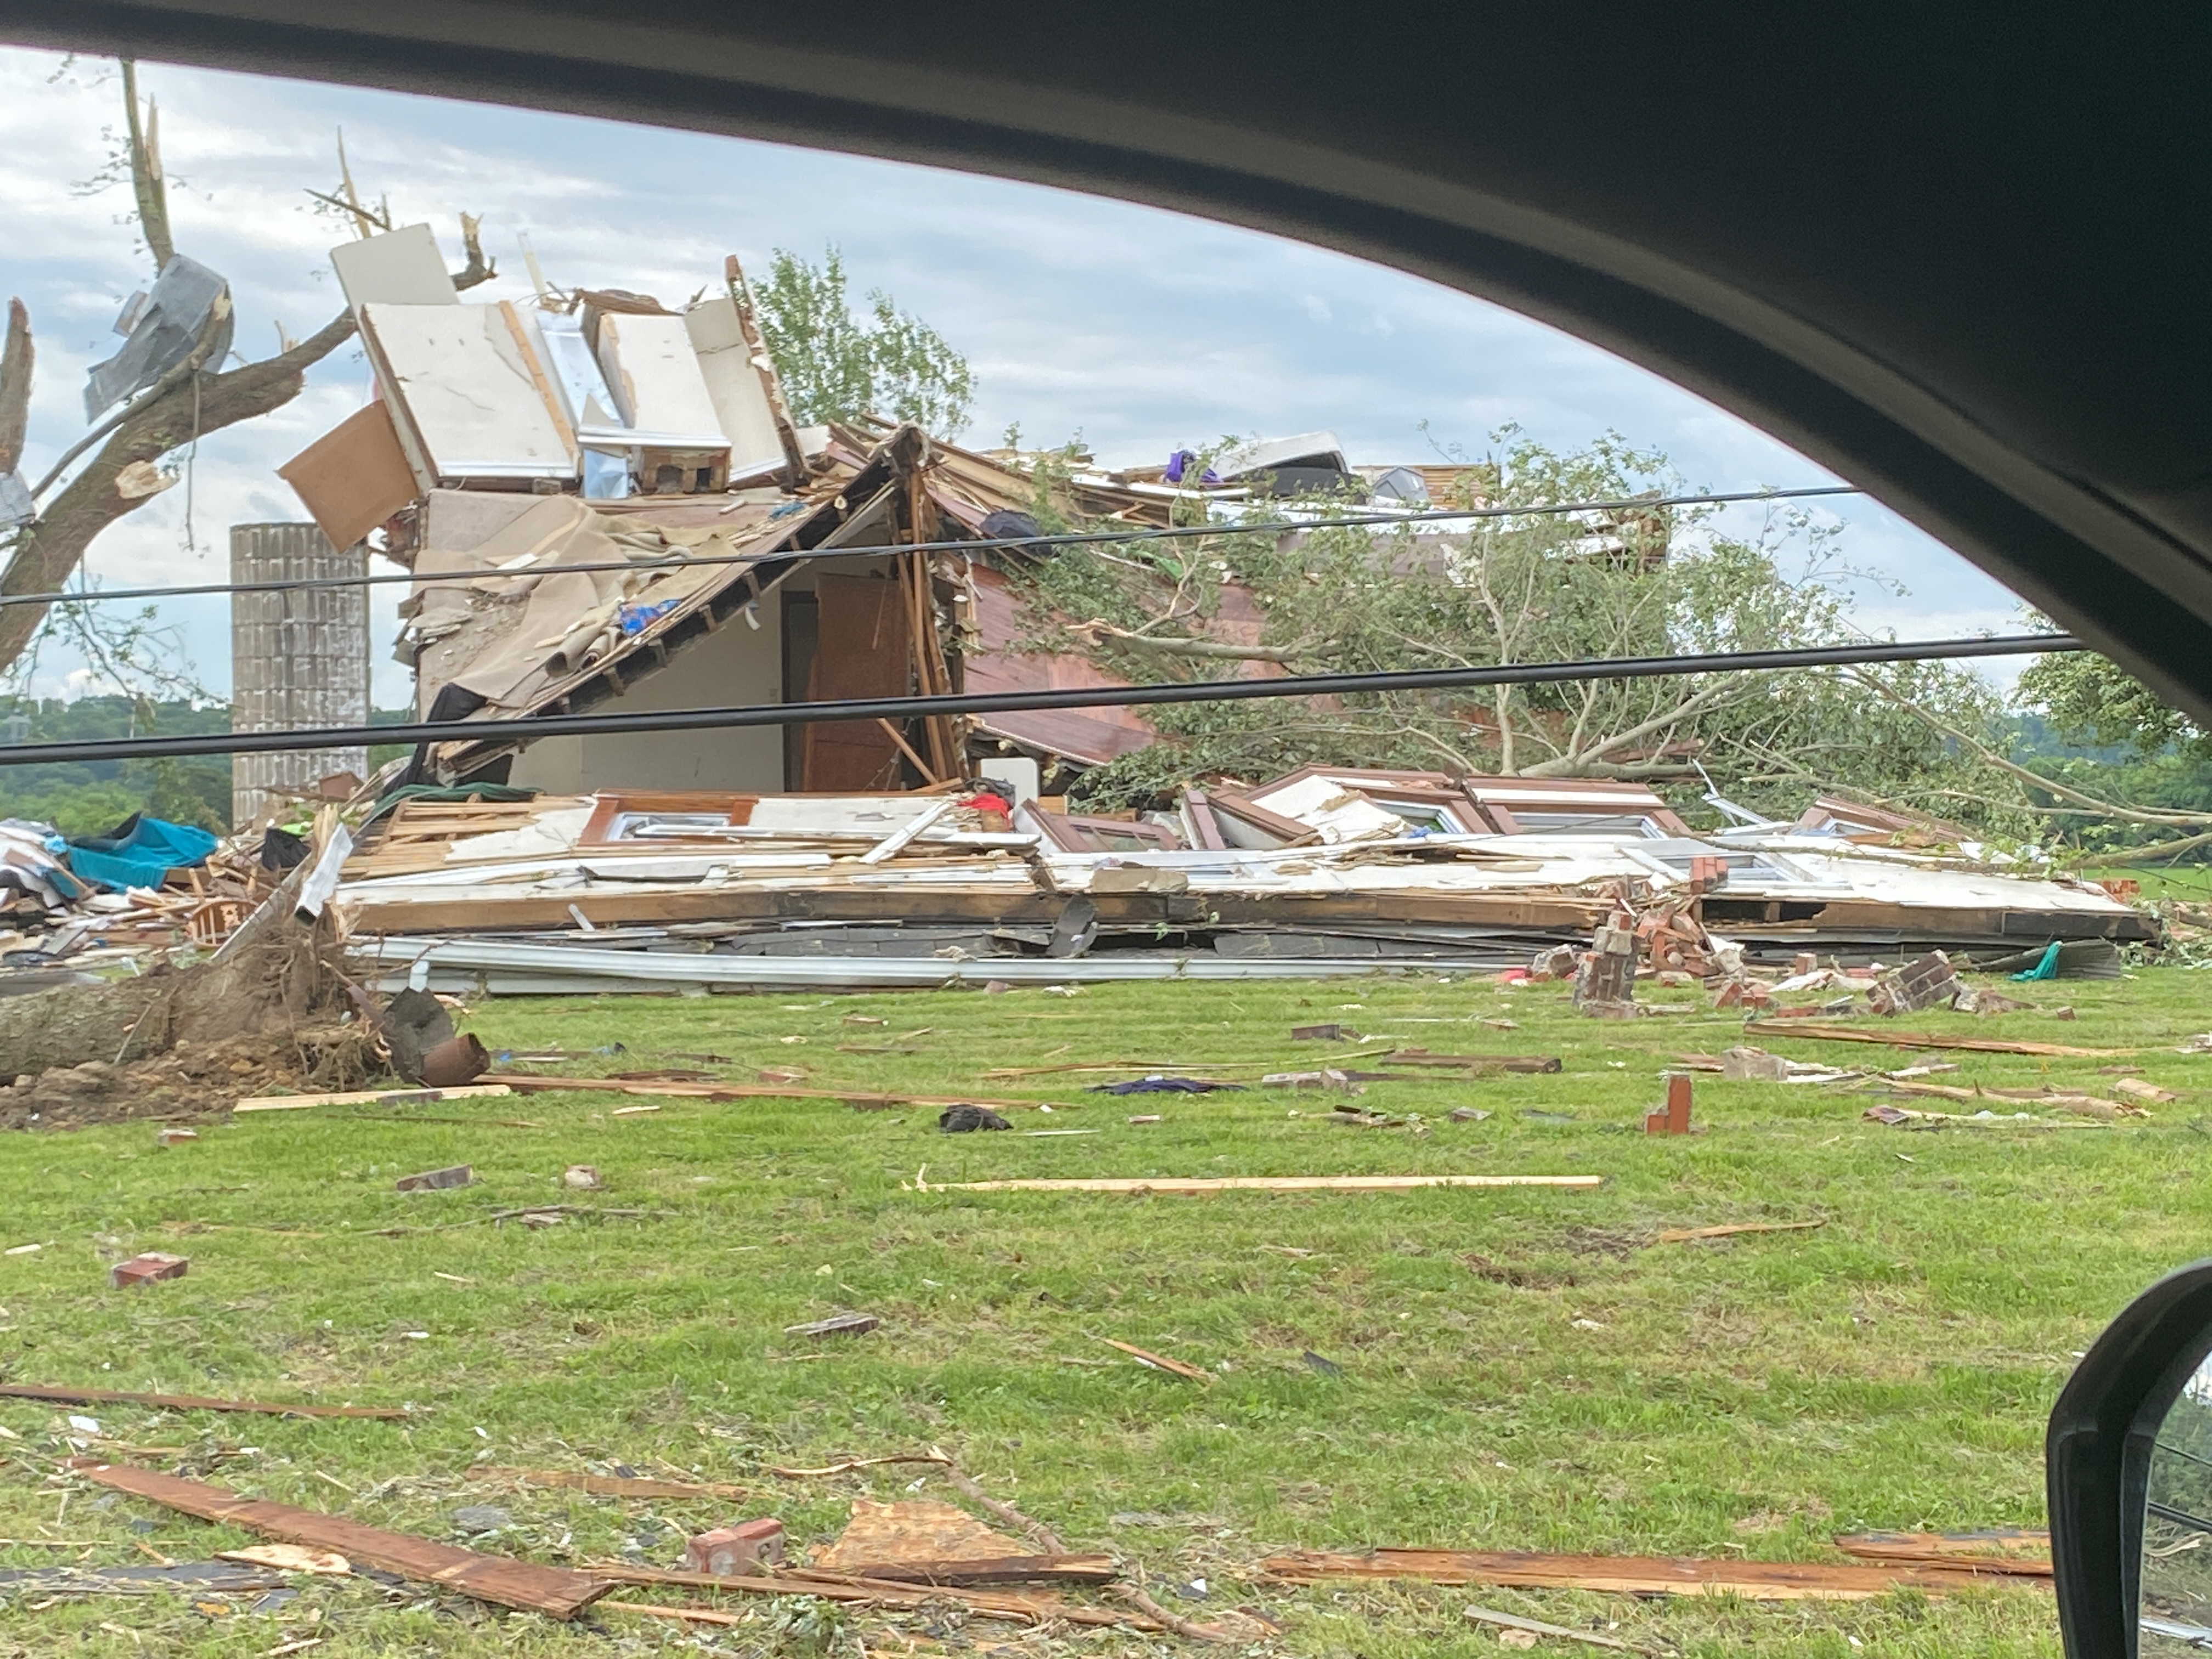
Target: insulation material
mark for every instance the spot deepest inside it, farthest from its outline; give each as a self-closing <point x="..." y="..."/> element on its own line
<point x="470" y="390"/>
<point x="402" y="267"/>
<point x="736" y="386"/>
<point x="353" y="477"/>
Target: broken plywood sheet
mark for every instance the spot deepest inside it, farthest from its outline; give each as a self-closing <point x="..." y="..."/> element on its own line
<point x="916" y="1530"/>
<point x="736" y="386"/>
<point x="1323" y="803"/>
<point x="402" y="267"/>
<point x="471" y="389"/>
<point x="353" y="477"/>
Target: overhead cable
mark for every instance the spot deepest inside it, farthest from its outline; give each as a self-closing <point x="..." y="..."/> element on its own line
<point x="1055" y="538"/>
<point x="531" y="727"/>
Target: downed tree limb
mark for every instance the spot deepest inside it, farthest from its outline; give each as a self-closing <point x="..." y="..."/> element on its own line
<point x="1820" y="1032"/>
<point x="1632" y="1575"/>
<point x="932" y="1455"/>
<point x="554" y="1591"/>
<point x="1381" y="1183"/>
<point x="185" y="1402"/>
<point x="609" y="1485"/>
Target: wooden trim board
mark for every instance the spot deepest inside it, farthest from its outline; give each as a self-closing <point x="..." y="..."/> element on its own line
<point x="401" y="1097"/>
<point x="185" y="1402"/>
<point x="1379" y="1183"/>
<point x="1632" y="1575"/>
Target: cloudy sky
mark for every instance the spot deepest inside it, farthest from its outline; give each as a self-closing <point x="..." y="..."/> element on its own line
<point x="1139" y="331"/>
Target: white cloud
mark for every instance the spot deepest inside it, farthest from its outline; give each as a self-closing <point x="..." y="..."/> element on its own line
<point x="1141" y="329"/>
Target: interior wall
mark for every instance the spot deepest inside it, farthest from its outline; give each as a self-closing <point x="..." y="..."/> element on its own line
<point x="738" y="664"/>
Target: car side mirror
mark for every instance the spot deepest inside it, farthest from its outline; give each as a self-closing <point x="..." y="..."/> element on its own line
<point x="2127" y="1465"/>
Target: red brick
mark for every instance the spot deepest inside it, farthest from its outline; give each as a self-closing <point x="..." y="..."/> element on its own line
<point x="144" y="1269"/>
<point x="728" y="1551"/>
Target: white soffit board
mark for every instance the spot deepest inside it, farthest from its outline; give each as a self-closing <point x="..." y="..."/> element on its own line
<point x="402" y="267"/>
<point x="736" y="385"/>
<point x="464" y="376"/>
<point x="655" y="377"/>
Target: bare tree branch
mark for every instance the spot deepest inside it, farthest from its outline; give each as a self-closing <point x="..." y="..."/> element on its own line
<point x="15" y="361"/>
<point x="148" y="186"/>
<point x="1098" y="632"/>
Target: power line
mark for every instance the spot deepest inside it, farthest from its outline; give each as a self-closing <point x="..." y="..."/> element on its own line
<point x="1060" y="538"/>
<point x="1134" y="696"/>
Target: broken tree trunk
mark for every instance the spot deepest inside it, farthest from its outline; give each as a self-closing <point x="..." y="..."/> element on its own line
<point x="272" y="975"/>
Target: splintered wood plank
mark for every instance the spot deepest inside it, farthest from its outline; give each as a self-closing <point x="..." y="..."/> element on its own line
<point x="1632" y="1575"/>
<point x="367" y="1097"/>
<point x="1380" y="1183"/>
<point x="1824" y="1033"/>
<point x="184" y="1402"/>
<point x="2019" y="1550"/>
<point x="523" y="1083"/>
<point x="610" y="1485"/>
<point x="553" y="1591"/>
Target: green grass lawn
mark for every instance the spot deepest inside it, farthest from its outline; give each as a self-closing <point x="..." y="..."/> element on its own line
<point x="1520" y="1369"/>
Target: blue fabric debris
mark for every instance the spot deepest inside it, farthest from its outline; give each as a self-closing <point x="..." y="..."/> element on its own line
<point x="140" y="853"/>
<point x="2046" y="969"/>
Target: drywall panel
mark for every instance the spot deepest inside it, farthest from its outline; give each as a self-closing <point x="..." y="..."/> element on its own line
<point x="658" y="387"/>
<point x="734" y="385"/>
<point x="402" y="267"/>
<point x="477" y="398"/>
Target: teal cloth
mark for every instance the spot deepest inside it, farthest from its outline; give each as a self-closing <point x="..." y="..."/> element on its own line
<point x="140" y="859"/>
<point x="2046" y="969"/>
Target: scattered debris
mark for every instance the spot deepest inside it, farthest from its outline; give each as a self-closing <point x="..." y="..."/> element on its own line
<point x="965" y="1119"/>
<point x="1532" y="1628"/>
<point x="1817" y="1032"/>
<point x="2013" y="1550"/>
<point x="174" y="1137"/>
<point x="1673" y="1117"/>
<point x="458" y="1175"/>
<point x="2136" y="1088"/>
<point x="1147" y="1117"/>
<point x="1729" y="1229"/>
<point x="146" y="1270"/>
<point x="370" y="1097"/>
<point x="1757" y="1581"/>
<point x="291" y="1557"/>
<point x="919" y="1529"/>
<point x="585" y="1177"/>
<point x="1172" y="1185"/>
<point x="1163" y="1085"/>
<point x="553" y="1591"/>
<point x="839" y="1324"/>
<point x="1923" y="982"/>
<point x="1158" y="1362"/>
<point x="1332" y="1032"/>
<point x="186" y="1402"/>
<point x="607" y="1486"/>
<point x="743" y="1547"/>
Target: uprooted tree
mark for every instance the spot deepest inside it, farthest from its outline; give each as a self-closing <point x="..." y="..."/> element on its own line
<point x="192" y="398"/>
<point x="1338" y="598"/>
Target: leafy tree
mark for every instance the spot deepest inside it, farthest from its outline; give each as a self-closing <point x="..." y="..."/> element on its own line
<point x="1535" y="587"/>
<point x="2092" y="699"/>
<point x="835" y="364"/>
